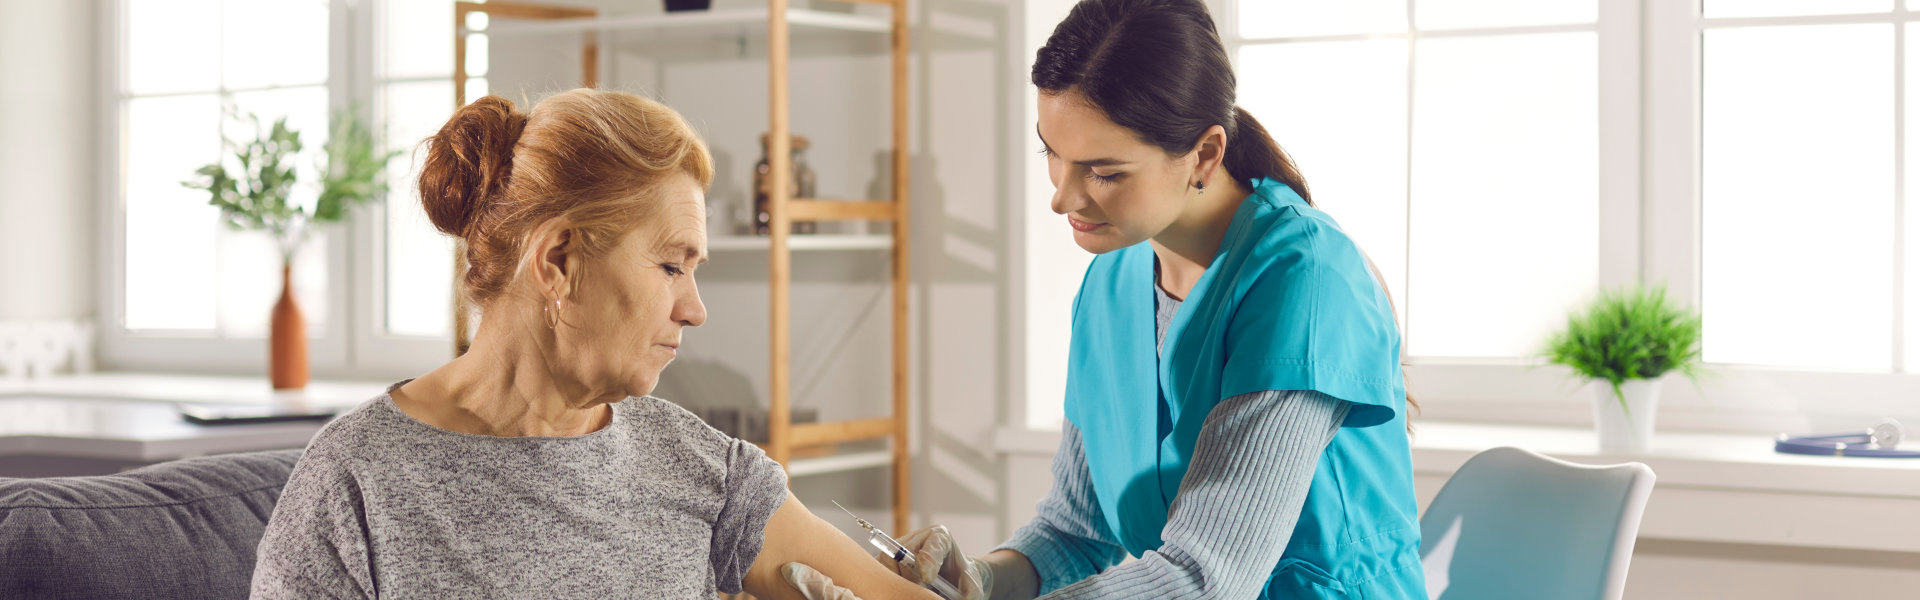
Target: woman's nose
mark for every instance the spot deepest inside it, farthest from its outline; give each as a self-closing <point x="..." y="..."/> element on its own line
<point x="1066" y="196"/>
<point x="688" y="310"/>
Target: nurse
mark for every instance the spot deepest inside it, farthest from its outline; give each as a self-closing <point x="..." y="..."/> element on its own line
<point x="1236" y="412"/>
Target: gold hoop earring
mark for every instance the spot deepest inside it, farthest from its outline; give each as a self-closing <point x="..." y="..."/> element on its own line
<point x="551" y="314"/>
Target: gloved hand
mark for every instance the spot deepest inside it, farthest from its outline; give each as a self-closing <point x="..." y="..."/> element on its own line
<point x="814" y="584"/>
<point x="937" y="555"/>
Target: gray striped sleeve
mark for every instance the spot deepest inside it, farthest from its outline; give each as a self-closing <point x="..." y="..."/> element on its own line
<point x="1068" y="540"/>
<point x="1236" y="509"/>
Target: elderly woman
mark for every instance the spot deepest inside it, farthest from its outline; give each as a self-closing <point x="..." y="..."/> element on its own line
<point x="535" y="465"/>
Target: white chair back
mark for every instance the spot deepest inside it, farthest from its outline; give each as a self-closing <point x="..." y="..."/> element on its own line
<point x="1513" y="524"/>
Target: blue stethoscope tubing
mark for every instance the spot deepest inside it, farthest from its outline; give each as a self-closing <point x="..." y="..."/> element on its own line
<point x="1881" y="441"/>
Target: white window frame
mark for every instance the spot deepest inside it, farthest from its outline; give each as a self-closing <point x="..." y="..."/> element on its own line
<point x="1753" y="396"/>
<point x="1650" y="224"/>
<point x="353" y="343"/>
<point x="1518" y="389"/>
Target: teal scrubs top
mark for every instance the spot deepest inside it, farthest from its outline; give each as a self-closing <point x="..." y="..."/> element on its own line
<point x="1288" y="303"/>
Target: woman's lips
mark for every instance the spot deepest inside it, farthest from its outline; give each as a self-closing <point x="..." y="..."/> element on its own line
<point x="1079" y="225"/>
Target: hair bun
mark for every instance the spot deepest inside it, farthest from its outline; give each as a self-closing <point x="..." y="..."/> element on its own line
<point x="469" y="161"/>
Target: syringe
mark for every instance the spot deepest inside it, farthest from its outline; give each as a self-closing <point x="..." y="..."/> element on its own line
<point x="892" y="548"/>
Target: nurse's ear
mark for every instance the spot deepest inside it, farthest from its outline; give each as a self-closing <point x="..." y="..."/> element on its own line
<point x="1208" y="153"/>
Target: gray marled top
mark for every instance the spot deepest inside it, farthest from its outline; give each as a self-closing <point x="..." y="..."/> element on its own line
<point x="655" y="505"/>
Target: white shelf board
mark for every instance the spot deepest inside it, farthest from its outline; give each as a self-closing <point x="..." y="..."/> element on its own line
<point x="837" y="463"/>
<point x="812" y="241"/>
<point x="720" y="22"/>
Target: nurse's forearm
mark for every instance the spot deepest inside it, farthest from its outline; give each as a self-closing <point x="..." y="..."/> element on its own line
<point x="1014" y="577"/>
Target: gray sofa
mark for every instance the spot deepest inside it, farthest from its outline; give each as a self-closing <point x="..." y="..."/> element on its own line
<point x="181" y="529"/>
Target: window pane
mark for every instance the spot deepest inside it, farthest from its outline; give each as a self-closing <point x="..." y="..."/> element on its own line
<point x="1505" y="210"/>
<point x="306" y="111"/>
<point x="1785" y="8"/>
<point x="419" y="260"/>
<point x="1349" y="136"/>
<point x="1797" y="196"/>
<point x="1912" y="293"/>
<point x="250" y="263"/>
<point x="250" y="283"/>
<point x="476" y="55"/>
<point x="419" y="38"/>
<point x="476" y="88"/>
<point x="170" y="229"/>
<point x="1281" y="18"/>
<point x="173" y="46"/>
<point x="1459" y="14"/>
<point x="274" y="42"/>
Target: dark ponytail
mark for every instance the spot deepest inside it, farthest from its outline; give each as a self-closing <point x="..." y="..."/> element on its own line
<point x="1157" y="68"/>
<point x="1251" y="152"/>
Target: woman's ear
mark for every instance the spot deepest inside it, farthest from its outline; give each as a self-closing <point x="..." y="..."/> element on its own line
<point x="550" y="246"/>
<point x="1209" y="152"/>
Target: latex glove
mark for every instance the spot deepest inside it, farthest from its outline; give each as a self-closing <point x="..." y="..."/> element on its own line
<point x="814" y="584"/>
<point x="937" y="555"/>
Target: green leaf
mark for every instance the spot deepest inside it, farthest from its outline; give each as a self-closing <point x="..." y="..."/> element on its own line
<point x="352" y="173"/>
<point x="1628" y="333"/>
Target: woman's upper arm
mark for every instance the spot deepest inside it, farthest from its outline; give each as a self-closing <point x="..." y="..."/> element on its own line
<point x="794" y="534"/>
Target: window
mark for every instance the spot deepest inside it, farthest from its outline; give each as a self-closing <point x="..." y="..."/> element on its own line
<point x="191" y="295"/>
<point x="1457" y="140"/>
<point x="1500" y="159"/>
<point x="185" y="66"/>
<point x="416" y="95"/>
<point x="1801" y="184"/>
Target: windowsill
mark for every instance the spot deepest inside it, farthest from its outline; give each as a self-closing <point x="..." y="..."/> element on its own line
<point x="208" y="389"/>
<point x="1715" y="487"/>
<point x="1717" y="460"/>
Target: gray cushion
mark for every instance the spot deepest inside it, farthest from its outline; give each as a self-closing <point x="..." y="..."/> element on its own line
<point x="181" y="529"/>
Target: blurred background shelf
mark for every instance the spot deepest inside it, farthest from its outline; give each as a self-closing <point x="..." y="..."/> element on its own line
<point x="840" y="461"/>
<point x="715" y="23"/>
<point x="823" y="241"/>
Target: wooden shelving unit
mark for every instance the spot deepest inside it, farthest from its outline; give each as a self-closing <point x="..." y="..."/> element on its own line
<point x="779" y="22"/>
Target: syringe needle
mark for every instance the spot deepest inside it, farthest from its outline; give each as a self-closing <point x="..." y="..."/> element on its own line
<point x="856" y="518"/>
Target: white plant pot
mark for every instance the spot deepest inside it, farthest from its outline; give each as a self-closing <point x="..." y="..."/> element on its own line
<point x="1629" y="430"/>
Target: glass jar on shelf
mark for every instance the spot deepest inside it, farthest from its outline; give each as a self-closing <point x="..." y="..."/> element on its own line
<point x="803" y="185"/>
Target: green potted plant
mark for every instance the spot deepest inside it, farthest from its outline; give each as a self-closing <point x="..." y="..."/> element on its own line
<point x="1628" y="338"/>
<point x="258" y="197"/>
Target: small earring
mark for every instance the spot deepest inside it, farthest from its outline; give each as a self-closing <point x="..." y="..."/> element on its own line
<point x="1202" y="186"/>
<point x="551" y="314"/>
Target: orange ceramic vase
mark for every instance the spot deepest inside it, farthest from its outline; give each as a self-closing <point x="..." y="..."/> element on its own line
<point x="287" y="352"/>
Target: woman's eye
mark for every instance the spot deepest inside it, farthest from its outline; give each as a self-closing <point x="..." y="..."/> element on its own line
<point x="1104" y="178"/>
<point x="673" y="270"/>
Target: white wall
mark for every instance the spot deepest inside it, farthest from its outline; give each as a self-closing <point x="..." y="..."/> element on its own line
<point x="47" y="74"/>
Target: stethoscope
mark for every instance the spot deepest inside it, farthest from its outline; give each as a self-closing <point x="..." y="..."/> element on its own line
<point x="1880" y="441"/>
